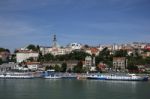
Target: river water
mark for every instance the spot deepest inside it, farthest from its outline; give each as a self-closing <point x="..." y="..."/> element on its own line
<point x="72" y="89"/>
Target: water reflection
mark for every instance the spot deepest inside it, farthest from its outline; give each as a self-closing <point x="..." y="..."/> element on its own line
<point x="76" y="89"/>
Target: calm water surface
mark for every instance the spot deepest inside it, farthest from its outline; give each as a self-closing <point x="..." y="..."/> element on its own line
<point x="72" y="89"/>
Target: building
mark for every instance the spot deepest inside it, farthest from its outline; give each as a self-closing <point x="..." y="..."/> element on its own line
<point x="70" y="64"/>
<point x="119" y="63"/>
<point x="88" y="61"/>
<point x="45" y="50"/>
<point x="92" y="51"/>
<point x="75" y="46"/>
<point x="23" y="55"/>
<point x="55" y="49"/>
<point x="7" y="66"/>
<point x="33" y="65"/>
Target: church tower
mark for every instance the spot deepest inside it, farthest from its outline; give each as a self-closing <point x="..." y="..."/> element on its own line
<point x="54" y="41"/>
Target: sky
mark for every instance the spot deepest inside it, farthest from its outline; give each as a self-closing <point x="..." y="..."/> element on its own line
<point x="91" y="22"/>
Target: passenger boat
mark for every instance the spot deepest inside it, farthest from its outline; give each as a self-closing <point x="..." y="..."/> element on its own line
<point x="16" y="75"/>
<point x="69" y="76"/>
<point x="52" y="77"/>
<point x="127" y="77"/>
<point x="50" y="74"/>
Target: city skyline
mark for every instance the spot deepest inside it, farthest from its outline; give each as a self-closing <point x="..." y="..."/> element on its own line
<point x="24" y="22"/>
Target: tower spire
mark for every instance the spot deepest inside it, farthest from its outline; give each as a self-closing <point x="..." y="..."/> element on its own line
<point x="54" y="41"/>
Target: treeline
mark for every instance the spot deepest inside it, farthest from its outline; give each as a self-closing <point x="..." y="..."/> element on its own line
<point x="4" y="50"/>
<point x="105" y="56"/>
<point x="74" y="55"/>
<point x="133" y="59"/>
<point x="7" y="58"/>
<point x="63" y="68"/>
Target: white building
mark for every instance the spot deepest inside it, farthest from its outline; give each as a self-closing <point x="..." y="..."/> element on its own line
<point x="88" y="61"/>
<point x="22" y="55"/>
<point x="54" y="50"/>
<point x="32" y="65"/>
<point x="45" y="50"/>
<point x="75" y="46"/>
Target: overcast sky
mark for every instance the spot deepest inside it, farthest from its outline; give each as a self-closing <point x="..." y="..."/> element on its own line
<point x="92" y="22"/>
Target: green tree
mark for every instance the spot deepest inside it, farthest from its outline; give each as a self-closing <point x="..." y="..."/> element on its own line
<point x="105" y="57"/>
<point x="3" y="49"/>
<point x="120" y="53"/>
<point x="86" y="46"/>
<point x="13" y="58"/>
<point x="1" y="61"/>
<point x="147" y="60"/>
<point x="38" y="47"/>
<point x="32" y="47"/>
<point x="69" y="70"/>
<point x="48" y="57"/>
<point x="57" y="68"/>
<point x="78" y="55"/>
<point x="132" y="68"/>
<point x="40" y="57"/>
<point x="49" y="67"/>
<point x="31" y="59"/>
<point x="78" y="68"/>
<point x="63" y="67"/>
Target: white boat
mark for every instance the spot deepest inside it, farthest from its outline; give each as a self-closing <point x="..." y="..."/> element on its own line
<point x="127" y="77"/>
<point x="52" y="77"/>
<point x="50" y="74"/>
<point x="16" y="75"/>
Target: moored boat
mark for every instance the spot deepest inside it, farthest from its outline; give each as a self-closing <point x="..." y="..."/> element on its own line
<point x="50" y="74"/>
<point x="69" y="76"/>
<point x="127" y="77"/>
<point x="52" y="77"/>
<point x="16" y="75"/>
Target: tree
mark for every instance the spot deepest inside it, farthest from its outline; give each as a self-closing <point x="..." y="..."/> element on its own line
<point x="31" y="59"/>
<point x="32" y="47"/>
<point x="49" y="67"/>
<point x="3" y="49"/>
<point x="86" y="46"/>
<point x="69" y="70"/>
<point x="78" y="55"/>
<point x="57" y="68"/>
<point x="147" y="60"/>
<point x="63" y="67"/>
<point x="13" y="58"/>
<point x="1" y="61"/>
<point x="78" y="68"/>
<point x="132" y="68"/>
<point x="40" y="57"/>
<point x="48" y="57"/>
<point x="7" y="50"/>
<point x="105" y="57"/>
<point x="38" y="47"/>
<point x="120" y="53"/>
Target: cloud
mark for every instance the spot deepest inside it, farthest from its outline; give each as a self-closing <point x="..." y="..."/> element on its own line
<point x="16" y="33"/>
<point x="32" y="21"/>
<point x="14" y="28"/>
<point x="19" y="5"/>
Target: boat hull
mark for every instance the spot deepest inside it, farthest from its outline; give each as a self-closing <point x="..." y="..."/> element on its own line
<point x="16" y="76"/>
<point x="52" y="77"/>
<point x="119" y="78"/>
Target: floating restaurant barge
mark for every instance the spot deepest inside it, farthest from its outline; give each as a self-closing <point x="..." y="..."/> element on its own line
<point x="16" y="75"/>
<point x="53" y="75"/>
<point x="125" y="77"/>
